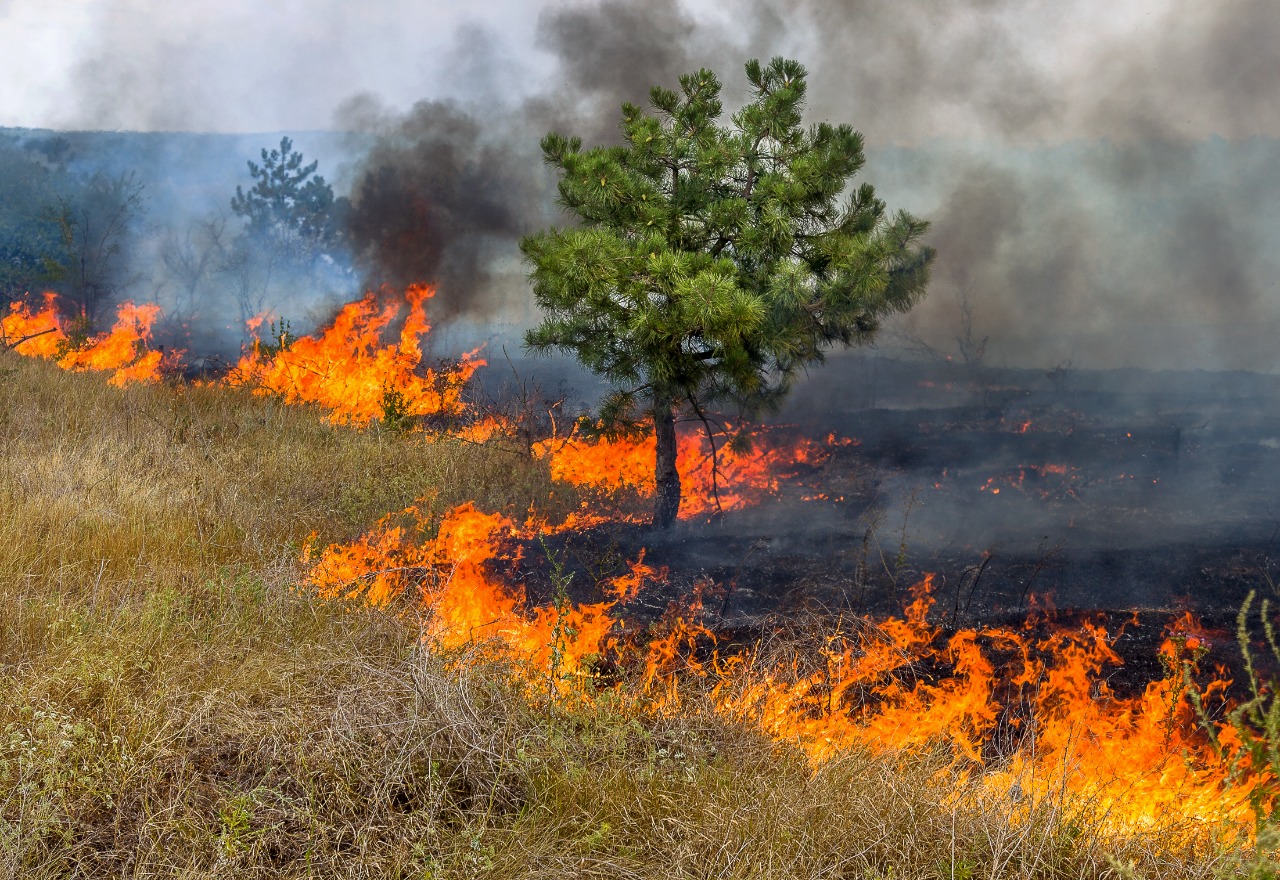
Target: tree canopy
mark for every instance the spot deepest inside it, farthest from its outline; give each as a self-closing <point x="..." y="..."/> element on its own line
<point x="289" y="204"/>
<point x="710" y="263"/>
<point x="292" y="237"/>
<point x="30" y="241"/>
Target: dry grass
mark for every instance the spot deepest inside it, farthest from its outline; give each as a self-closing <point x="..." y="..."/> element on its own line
<point x="172" y="707"/>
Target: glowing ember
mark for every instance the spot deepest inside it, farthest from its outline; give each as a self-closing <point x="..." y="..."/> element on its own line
<point x="1048" y="481"/>
<point x="349" y="370"/>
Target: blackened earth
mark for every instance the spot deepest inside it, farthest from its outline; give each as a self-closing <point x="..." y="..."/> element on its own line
<point x="1123" y="496"/>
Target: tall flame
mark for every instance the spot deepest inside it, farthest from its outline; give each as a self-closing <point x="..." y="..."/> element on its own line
<point x="348" y="369"/>
<point x="35" y="334"/>
<point x="124" y="351"/>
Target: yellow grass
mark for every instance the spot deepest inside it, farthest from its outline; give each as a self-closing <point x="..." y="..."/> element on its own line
<point x="171" y="705"/>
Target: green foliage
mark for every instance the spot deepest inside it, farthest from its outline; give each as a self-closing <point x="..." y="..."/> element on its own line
<point x="559" y="676"/>
<point x="1256" y="720"/>
<point x="281" y="339"/>
<point x="713" y="262"/>
<point x="291" y="233"/>
<point x="73" y="234"/>
<point x="289" y="204"/>
<point x="396" y="414"/>
<point x="29" y="236"/>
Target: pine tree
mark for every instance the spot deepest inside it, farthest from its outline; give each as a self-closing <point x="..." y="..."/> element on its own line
<point x="289" y="205"/>
<point x="711" y="263"/>
<point x="292" y="237"/>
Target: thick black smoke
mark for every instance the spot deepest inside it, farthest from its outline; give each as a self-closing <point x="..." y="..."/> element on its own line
<point x="449" y="187"/>
<point x="436" y="200"/>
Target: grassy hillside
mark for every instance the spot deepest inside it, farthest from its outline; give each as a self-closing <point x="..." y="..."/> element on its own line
<point x="174" y="705"/>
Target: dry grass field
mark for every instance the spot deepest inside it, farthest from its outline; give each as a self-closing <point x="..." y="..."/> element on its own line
<point x="173" y="703"/>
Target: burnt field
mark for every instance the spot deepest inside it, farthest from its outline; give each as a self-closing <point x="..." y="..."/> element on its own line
<point x="1128" y="496"/>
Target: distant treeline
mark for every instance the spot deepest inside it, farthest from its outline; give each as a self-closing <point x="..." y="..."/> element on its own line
<point x="179" y="219"/>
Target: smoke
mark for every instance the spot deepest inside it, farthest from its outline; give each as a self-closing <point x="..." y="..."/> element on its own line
<point x="436" y="199"/>
<point x="1098" y="174"/>
<point x="449" y="186"/>
<point x="1153" y="254"/>
<point x="615" y="52"/>
<point x="1136" y="240"/>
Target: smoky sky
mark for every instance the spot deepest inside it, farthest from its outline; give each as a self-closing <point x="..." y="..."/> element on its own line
<point x="902" y="72"/>
<point x="449" y="186"/>
<point x="1098" y="174"/>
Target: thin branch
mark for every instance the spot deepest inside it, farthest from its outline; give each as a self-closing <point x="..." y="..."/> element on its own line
<point x="715" y="456"/>
<point x="10" y="346"/>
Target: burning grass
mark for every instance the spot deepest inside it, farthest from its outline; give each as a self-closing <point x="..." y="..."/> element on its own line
<point x="215" y="665"/>
<point x="348" y="369"/>
<point x="123" y="352"/>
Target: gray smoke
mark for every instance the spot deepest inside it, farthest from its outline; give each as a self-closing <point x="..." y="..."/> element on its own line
<point x="450" y="186"/>
<point x="437" y="198"/>
<point x="1099" y="175"/>
<point x="1140" y="241"/>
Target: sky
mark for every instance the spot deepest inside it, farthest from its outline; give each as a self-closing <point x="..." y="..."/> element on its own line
<point x="1100" y="174"/>
<point x="905" y="71"/>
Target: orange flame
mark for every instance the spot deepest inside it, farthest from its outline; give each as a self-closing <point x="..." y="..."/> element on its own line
<point x="453" y="576"/>
<point x="733" y="480"/>
<point x="124" y="351"/>
<point x="348" y="369"/>
<point x="1027" y="711"/>
<point x="900" y="684"/>
<point x="37" y="334"/>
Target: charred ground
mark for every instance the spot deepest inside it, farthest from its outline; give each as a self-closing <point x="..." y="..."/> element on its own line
<point x="1127" y="497"/>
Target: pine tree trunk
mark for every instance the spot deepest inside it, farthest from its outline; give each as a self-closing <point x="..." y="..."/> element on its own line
<point x="666" y="499"/>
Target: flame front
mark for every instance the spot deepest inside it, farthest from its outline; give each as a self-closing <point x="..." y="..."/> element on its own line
<point x="1031" y="715"/>
<point x="351" y="372"/>
<point x="124" y="351"/>
<point x="1027" y="712"/>
<point x="461" y="599"/>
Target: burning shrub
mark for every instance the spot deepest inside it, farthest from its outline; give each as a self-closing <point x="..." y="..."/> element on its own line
<point x="124" y="351"/>
<point x="351" y="372"/>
